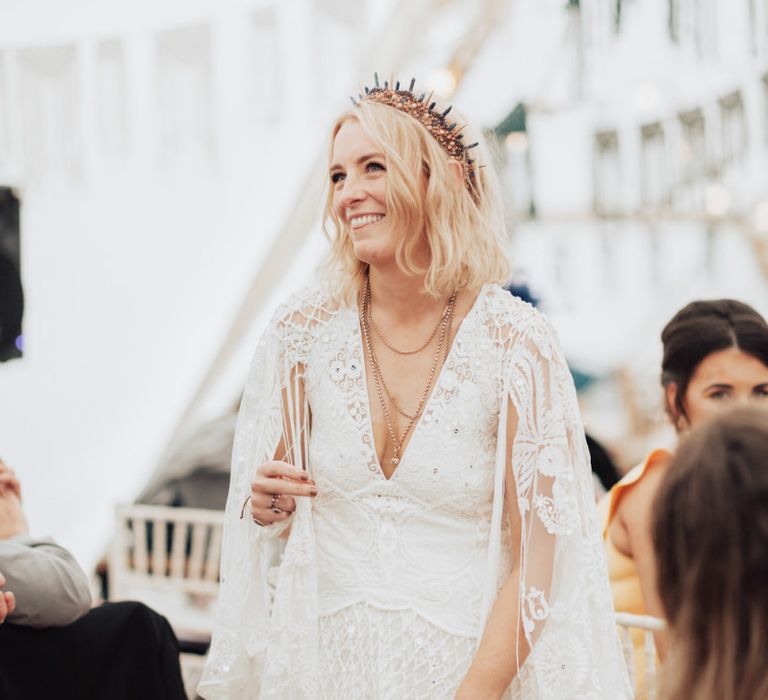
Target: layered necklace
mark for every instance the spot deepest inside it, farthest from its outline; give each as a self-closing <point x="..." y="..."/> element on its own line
<point x="442" y="330"/>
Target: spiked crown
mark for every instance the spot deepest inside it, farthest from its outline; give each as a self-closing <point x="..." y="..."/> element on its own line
<point x="422" y="109"/>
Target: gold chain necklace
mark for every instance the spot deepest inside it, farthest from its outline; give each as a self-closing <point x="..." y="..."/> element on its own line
<point x="441" y="344"/>
<point x="445" y="333"/>
<point x="391" y="347"/>
<point x="447" y="322"/>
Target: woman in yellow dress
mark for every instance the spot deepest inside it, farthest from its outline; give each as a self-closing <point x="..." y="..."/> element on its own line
<point x="715" y="356"/>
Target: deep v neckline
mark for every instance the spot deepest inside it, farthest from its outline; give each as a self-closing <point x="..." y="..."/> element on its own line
<point x="427" y="403"/>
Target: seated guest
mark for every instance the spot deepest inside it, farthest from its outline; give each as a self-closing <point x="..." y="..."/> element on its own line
<point x="49" y="587"/>
<point x="715" y="355"/>
<point x="53" y="645"/>
<point x="710" y="538"/>
<point x="118" y="651"/>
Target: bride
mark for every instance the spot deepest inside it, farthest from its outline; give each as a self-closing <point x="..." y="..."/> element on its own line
<point x="410" y="431"/>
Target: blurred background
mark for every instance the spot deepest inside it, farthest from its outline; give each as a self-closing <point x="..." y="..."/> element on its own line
<point x="161" y="175"/>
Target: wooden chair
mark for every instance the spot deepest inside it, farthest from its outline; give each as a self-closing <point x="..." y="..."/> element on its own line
<point x="630" y="625"/>
<point x="169" y="558"/>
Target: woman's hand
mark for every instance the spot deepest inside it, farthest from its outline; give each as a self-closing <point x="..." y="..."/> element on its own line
<point x="278" y="484"/>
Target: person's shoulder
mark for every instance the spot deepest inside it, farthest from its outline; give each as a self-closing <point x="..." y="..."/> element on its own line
<point x="645" y="477"/>
<point x="305" y="299"/>
<point x="502" y="302"/>
<point x="516" y="317"/>
<point x="305" y="312"/>
<point x="312" y="303"/>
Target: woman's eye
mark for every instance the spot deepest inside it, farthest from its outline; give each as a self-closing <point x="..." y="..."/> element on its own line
<point x="336" y="178"/>
<point x="761" y="392"/>
<point x="719" y="395"/>
<point x="374" y="166"/>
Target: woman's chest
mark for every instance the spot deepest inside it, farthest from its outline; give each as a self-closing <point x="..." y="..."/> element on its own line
<point x="451" y="451"/>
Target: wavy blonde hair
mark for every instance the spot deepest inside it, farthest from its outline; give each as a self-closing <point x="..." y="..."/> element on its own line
<point x="465" y="232"/>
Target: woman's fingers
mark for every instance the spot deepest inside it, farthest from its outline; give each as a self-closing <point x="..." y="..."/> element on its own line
<point x="285" y="503"/>
<point x="282" y="478"/>
<point x="268" y="516"/>
<point x="282" y="470"/>
<point x="261" y="509"/>
<point x="10" y="601"/>
<point x="262" y="501"/>
<point x="283" y="486"/>
<point x="285" y="483"/>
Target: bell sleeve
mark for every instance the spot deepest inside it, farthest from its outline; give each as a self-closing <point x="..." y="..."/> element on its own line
<point x="248" y="552"/>
<point x="565" y="605"/>
<point x="256" y="634"/>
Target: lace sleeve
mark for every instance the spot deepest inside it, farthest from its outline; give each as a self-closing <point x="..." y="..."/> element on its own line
<point x="565" y="604"/>
<point x="250" y="626"/>
<point x="248" y="551"/>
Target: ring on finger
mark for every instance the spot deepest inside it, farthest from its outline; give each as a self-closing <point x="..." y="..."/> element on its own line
<point x="273" y="506"/>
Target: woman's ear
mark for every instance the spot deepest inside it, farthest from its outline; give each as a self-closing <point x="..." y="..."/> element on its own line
<point x="670" y="395"/>
<point x="457" y="171"/>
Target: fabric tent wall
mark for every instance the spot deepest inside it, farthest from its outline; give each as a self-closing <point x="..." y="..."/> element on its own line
<point x="153" y="180"/>
<point x="160" y="150"/>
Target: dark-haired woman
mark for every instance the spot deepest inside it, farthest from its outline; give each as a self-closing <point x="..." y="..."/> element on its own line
<point x="715" y="356"/>
<point x="710" y="540"/>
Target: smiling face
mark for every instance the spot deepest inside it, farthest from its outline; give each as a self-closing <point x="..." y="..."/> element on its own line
<point x="721" y="380"/>
<point x="359" y="182"/>
<point x="397" y="204"/>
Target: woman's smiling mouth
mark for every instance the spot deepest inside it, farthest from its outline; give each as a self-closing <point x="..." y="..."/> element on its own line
<point x="364" y="220"/>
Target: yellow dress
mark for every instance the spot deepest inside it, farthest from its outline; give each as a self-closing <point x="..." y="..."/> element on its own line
<point x="622" y="572"/>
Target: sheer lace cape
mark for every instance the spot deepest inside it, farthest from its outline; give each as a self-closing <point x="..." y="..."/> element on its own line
<point x="265" y="638"/>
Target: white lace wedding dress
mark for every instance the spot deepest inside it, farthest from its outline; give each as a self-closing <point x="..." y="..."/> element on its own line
<point x="384" y="586"/>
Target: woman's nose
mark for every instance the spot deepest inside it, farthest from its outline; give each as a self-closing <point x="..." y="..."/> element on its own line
<point x="351" y="192"/>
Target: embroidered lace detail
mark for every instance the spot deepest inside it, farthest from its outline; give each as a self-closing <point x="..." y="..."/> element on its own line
<point x="367" y="652"/>
<point x="384" y="541"/>
<point x="373" y="566"/>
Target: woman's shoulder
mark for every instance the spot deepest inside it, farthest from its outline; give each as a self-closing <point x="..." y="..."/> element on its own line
<point x="310" y="306"/>
<point x="642" y="471"/>
<point x="500" y="302"/>
<point x="640" y="482"/>
<point x="299" y="318"/>
<point x="515" y="318"/>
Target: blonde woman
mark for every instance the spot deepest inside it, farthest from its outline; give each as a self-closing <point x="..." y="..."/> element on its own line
<point x="412" y="430"/>
<point x="710" y="538"/>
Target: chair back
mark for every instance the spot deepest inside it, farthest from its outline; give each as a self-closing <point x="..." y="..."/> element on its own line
<point x="168" y="558"/>
<point x="630" y="627"/>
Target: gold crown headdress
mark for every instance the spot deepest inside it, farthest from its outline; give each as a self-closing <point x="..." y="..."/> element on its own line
<point x="422" y="109"/>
